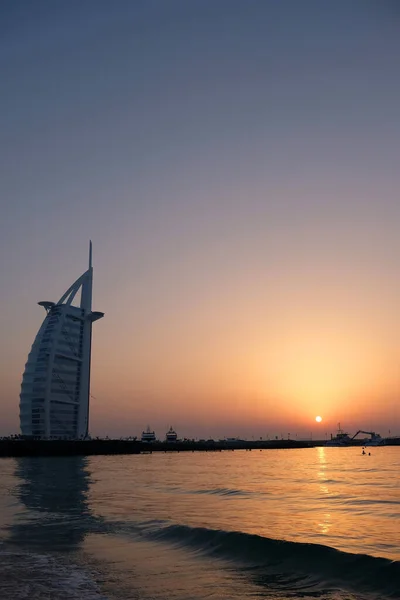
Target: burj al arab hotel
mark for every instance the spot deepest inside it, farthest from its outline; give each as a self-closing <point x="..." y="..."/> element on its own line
<point x="55" y="389"/>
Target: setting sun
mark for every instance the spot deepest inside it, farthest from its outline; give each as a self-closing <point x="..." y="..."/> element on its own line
<point x="318" y="419"/>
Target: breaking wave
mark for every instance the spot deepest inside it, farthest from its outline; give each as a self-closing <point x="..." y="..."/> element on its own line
<point x="278" y="563"/>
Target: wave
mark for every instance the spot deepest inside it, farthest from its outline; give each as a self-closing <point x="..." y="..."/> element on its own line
<point x="287" y="564"/>
<point x="222" y="492"/>
<point x="366" y="501"/>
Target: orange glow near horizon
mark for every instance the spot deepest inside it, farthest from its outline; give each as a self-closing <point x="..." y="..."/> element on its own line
<point x="231" y="377"/>
<point x="231" y="367"/>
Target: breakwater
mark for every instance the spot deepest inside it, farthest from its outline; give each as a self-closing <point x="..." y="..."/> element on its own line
<point x="26" y="447"/>
<point x="12" y="447"/>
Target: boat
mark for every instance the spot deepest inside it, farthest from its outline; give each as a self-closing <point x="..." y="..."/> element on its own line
<point x="341" y="439"/>
<point x="148" y="435"/>
<point x="171" y="435"/>
<point x="375" y="440"/>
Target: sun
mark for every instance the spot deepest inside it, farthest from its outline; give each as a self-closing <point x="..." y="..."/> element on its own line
<point x="318" y="419"/>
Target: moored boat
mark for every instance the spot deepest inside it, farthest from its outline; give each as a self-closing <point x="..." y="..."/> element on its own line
<point x="171" y="435"/>
<point x="148" y="435"/>
<point x="375" y="440"/>
<point x="341" y="439"/>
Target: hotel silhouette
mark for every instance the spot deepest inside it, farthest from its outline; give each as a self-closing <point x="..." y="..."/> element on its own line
<point x="55" y="389"/>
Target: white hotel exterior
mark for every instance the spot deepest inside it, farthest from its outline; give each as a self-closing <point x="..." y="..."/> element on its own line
<point x="55" y="389"/>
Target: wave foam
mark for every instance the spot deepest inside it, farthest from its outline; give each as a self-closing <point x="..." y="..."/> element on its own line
<point x="28" y="576"/>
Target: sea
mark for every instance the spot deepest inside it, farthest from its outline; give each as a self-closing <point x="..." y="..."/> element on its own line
<point x="277" y="524"/>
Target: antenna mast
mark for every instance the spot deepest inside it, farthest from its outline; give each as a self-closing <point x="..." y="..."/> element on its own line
<point x="90" y="254"/>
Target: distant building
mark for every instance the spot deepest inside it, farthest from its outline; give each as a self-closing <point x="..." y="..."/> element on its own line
<point x="55" y="389"/>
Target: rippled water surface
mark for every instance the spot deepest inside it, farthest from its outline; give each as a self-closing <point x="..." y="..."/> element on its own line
<point x="279" y="524"/>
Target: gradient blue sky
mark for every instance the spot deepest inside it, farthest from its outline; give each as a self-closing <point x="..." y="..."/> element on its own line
<point x="236" y="164"/>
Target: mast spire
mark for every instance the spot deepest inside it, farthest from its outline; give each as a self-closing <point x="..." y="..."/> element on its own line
<point x="90" y="254"/>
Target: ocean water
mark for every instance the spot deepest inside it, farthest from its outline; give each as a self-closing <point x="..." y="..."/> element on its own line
<point x="276" y="524"/>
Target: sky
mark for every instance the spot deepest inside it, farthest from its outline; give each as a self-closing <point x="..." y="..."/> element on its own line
<point x="236" y="164"/>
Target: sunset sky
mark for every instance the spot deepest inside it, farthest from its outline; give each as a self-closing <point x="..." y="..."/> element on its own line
<point x="236" y="164"/>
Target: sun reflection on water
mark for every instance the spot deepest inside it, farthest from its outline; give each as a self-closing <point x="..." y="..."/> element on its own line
<point x="325" y="523"/>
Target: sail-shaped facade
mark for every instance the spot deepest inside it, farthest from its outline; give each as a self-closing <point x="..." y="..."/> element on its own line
<point x="55" y="389"/>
